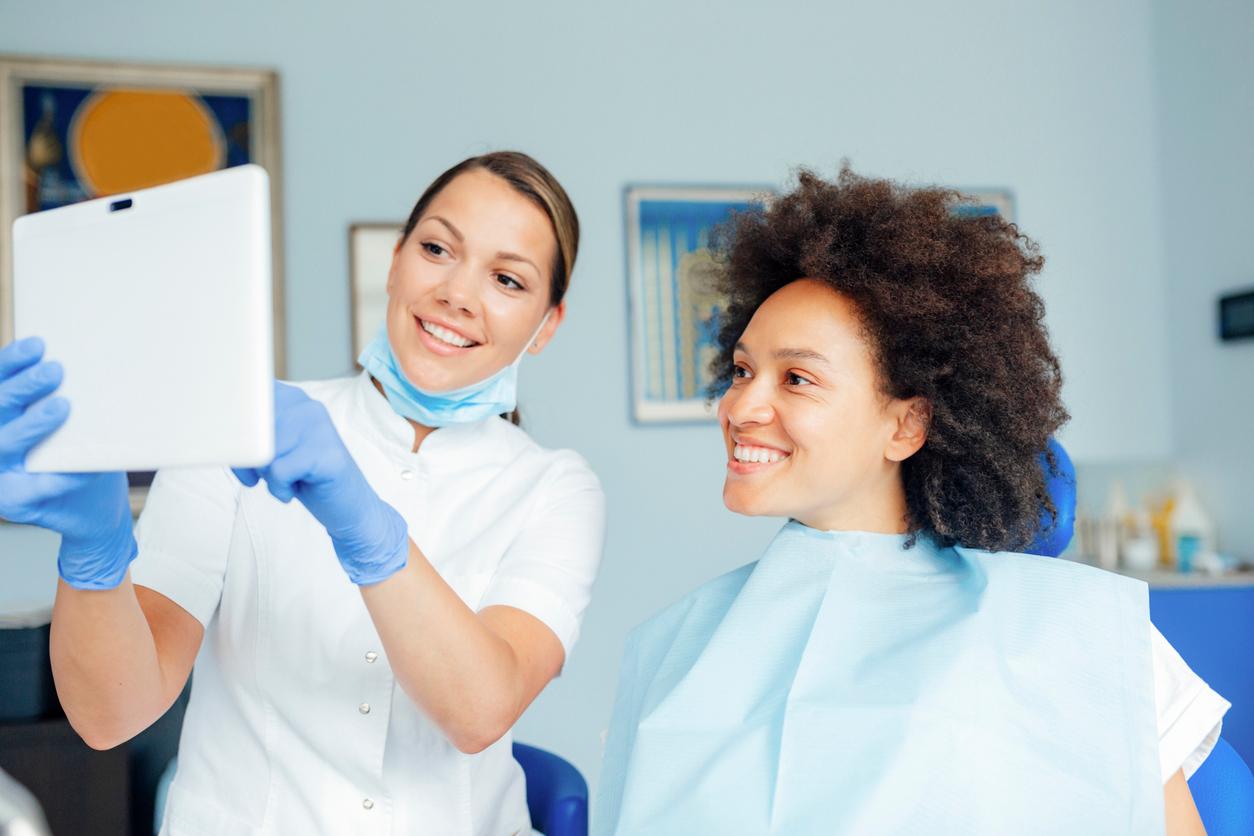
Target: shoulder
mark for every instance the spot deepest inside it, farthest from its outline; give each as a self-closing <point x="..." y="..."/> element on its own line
<point x="1190" y="714"/>
<point x="557" y="471"/>
<point x="1027" y="569"/>
<point x="707" y="602"/>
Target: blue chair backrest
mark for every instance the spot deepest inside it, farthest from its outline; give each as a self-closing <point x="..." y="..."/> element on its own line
<point x="1055" y="532"/>
<point x="557" y="795"/>
<point x="1223" y="790"/>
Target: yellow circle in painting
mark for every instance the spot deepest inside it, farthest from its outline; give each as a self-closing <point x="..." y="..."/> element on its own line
<point x="122" y="140"/>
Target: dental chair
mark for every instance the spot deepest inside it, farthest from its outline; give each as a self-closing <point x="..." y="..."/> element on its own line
<point x="1223" y="786"/>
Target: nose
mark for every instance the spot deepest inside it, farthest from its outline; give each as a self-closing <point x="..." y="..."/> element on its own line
<point x="748" y="404"/>
<point x="457" y="291"/>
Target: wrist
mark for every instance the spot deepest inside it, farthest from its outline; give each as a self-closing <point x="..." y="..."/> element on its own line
<point x="380" y="551"/>
<point x="99" y="563"/>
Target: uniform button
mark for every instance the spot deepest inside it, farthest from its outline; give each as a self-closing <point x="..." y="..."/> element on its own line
<point x="407" y="474"/>
<point x="367" y="804"/>
<point x="371" y="656"/>
<point x="364" y="708"/>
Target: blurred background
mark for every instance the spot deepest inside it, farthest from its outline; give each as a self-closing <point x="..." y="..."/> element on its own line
<point x="1120" y="128"/>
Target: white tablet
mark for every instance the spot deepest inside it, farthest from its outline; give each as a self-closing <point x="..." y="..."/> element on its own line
<point x="158" y="304"/>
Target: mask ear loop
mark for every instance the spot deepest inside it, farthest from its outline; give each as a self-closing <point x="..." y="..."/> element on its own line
<point x="531" y="343"/>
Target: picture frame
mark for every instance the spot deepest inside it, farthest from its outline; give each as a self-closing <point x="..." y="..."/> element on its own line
<point x="370" y="247"/>
<point x="673" y="307"/>
<point x="73" y="130"/>
<point x="988" y="201"/>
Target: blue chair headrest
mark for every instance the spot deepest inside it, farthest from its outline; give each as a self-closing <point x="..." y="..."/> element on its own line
<point x="1055" y="533"/>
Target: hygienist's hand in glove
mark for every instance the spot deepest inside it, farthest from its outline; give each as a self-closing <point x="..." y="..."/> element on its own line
<point x="91" y="511"/>
<point x="312" y="464"/>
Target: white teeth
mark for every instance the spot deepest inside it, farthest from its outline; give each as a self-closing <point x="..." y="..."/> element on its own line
<point x="446" y="336"/>
<point x="757" y="455"/>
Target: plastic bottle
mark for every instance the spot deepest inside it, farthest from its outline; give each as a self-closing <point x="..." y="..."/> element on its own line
<point x="1111" y="535"/>
<point x="1192" y="532"/>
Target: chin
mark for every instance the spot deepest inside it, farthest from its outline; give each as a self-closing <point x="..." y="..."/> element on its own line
<point x="738" y="502"/>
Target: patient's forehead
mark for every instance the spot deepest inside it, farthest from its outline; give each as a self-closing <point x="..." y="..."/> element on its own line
<point x="807" y="314"/>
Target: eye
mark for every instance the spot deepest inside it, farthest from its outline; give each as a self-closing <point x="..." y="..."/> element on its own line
<point x="509" y="282"/>
<point x="795" y="379"/>
<point x="433" y="248"/>
<point x="740" y="372"/>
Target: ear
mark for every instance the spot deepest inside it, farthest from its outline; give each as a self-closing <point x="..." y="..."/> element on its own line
<point x="556" y="315"/>
<point x="913" y="417"/>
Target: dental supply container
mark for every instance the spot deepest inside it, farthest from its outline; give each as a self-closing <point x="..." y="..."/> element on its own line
<point x="1192" y="532"/>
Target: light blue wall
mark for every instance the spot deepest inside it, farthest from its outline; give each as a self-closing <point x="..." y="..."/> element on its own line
<point x="1055" y="100"/>
<point x="1204" y="70"/>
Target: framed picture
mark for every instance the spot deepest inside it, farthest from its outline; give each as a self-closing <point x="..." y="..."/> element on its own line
<point x="674" y="306"/>
<point x="988" y="202"/>
<point x="75" y="130"/>
<point x="370" y="247"/>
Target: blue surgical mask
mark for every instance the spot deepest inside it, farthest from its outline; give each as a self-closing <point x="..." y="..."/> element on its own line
<point x="496" y="395"/>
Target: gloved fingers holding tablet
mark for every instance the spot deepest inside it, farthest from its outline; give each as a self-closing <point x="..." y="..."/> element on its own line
<point x="91" y="511"/>
<point x="312" y="464"/>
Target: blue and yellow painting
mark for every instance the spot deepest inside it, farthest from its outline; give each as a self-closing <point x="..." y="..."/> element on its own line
<point x="676" y="305"/>
<point x="85" y="141"/>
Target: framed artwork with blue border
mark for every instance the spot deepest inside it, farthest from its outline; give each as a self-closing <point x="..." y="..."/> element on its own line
<point x="675" y="309"/>
<point x="985" y="201"/>
<point x="74" y="130"/>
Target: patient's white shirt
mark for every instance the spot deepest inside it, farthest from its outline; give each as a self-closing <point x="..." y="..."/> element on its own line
<point x="296" y="723"/>
<point x="1190" y="714"/>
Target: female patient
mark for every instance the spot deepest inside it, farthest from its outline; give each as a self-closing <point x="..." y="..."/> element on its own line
<point x="889" y="665"/>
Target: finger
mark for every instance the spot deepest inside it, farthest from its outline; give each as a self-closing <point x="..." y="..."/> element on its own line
<point x="22" y="389"/>
<point x="284" y="473"/>
<point x="247" y="475"/>
<point x="39" y="421"/>
<point x="18" y="355"/>
<point x="26" y="497"/>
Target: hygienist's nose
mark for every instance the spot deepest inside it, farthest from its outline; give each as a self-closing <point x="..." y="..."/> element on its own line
<point x="458" y="290"/>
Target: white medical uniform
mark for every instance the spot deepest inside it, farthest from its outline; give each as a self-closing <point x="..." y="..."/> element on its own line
<point x="296" y="723"/>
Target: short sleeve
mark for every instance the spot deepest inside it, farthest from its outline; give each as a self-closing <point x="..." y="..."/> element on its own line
<point x="1190" y="714"/>
<point x="184" y="536"/>
<point x="549" y="569"/>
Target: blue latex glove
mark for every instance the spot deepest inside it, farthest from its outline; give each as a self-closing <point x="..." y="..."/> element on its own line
<point x="90" y="510"/>
<point x="312" y="464"/>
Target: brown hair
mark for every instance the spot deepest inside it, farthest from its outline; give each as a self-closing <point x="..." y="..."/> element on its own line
<point x="949" y="315"/>
<point x="533" y="181"/>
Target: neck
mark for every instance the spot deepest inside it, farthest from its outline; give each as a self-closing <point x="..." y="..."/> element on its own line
<point x="421" y="431"/>
<point x="879" y="507"/>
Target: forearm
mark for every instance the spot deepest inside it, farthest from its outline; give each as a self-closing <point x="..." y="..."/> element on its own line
<point x="105" y="664"/>
<point x="462" y="674"/>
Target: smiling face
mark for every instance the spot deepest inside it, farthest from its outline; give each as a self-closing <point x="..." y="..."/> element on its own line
<point x="809" y="432"/>
<point x="470" y="284"/>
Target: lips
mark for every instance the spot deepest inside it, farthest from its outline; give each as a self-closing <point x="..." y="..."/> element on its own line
<point x="443" y="338"/>
<point x="751" y="456"/>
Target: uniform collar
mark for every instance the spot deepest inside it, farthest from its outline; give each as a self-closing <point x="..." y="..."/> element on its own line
<point x="397" y="435"/>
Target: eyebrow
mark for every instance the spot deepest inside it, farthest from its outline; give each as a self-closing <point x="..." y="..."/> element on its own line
<point x="519" y="258"/>
<point x="505" y="256"/>
<point x="791" y="354"/>
<point x="456" y="232"/>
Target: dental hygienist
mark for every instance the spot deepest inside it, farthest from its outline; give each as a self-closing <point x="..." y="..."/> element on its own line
<point x="362" y="653"/>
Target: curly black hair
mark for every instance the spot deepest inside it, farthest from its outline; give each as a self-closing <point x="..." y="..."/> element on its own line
<point x="949" y="314"/>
